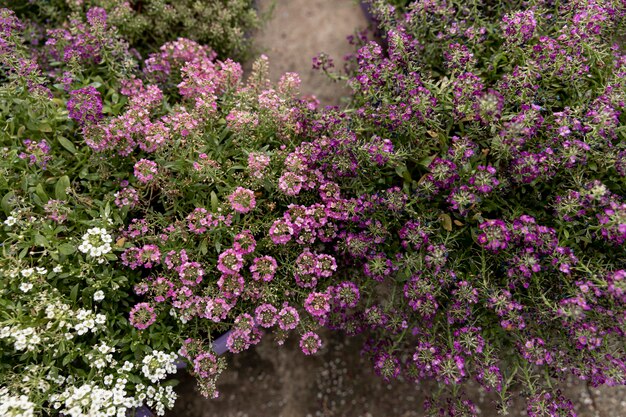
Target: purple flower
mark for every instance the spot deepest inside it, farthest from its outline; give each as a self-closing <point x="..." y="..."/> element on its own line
<point x="142" y="316"/>
<point x="85" y="105"/>
<point x="242" y="200"/>
<point x="495" y="236"/>
<point x="145" y="170"/>
<point x="37" y="153"/>
<point x="310" y="343"/>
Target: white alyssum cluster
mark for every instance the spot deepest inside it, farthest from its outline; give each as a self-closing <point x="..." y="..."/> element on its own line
<point x="96" y="243"/>
<point x="101" y="357"/>
<point x="91" y="400"/>
<point x="158" y="365"/>
<point x="159" y="398"/>
<point x="110" y="398"/>
<point x="12" y="405"/>
<point x="23" y="338"/>
<point x="87" y="320"/>
<point x="26" y="273"/>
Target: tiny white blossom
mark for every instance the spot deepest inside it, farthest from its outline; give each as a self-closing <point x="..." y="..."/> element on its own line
<point x="26" y="286"/>
<point x="98" y="296"/>
<point x="10" y="221"/>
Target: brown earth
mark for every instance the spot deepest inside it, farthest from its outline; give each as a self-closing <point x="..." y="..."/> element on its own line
<point x="281" y="382"/>
<point x="272" y="381"/>
<point x="298" y="30"/>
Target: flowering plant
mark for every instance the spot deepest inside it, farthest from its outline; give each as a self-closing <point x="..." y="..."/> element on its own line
<point x="466" y="212"/>
<point x="494" y="223"/>
<point x="146" y="24"/>
<point x="66" y="344"/>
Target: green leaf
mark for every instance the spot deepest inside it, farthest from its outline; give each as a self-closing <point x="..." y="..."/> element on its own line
<point x="67" y="144"/>
<point x="59" y="189"/>
<point x="41" y="193"/>
<point x="214" y="201"/>
<point x="447" y="222"/>
<point x="74" y="292"/>
<point x="204" y="247"/>
<point x="41" y="240"/>
<point x="6" y="202"/>
<point x="66" y="249"/>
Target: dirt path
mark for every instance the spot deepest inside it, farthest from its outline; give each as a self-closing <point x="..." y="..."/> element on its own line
<point x="301" y="29"/>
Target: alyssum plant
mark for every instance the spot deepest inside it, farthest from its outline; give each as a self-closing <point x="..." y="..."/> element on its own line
<point x="496" y="223"/>
<point x="465" y="214"/>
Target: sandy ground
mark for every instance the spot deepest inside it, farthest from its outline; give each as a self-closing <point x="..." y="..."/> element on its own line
<point x="298" y="30"/>
<point x="272" y="381"/>
<point x="282" y="382"/>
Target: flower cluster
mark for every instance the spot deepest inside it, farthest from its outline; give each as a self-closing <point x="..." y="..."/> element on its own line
<point x="96" y="243"/>
<point x="465" y="215"/>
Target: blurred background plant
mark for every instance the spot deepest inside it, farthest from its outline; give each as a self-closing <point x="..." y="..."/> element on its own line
<point x="224" y="25"/>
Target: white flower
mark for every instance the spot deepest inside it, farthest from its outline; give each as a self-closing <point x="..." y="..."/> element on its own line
<point x="14" y="405"/>
<point x="101" y="319"/>
<point x="98" y="296"/>
<point x="96" y="242"/>
<point x="127" y="367"/>
<point x="10" y="221"/>
<point x="27" y="272"/>
<point x="157" y="365"/>
<point x="57" y="269"/>
<point x="26" y="286"/>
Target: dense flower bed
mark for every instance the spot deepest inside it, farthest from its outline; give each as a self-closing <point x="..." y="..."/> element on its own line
<point x="147" y="24"/>
<point x="504" y="249"/>
<point x="465" y="213"/>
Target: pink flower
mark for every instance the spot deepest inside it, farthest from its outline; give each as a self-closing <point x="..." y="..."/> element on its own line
<point x="257" y="162"/>
<point x="290" y="183"/>
<point x="310" y="343"/>
<point x="145" y="170"/>
<point x="126" y="197"/>
<point x="245" y="242"/>
<point x="231" y="285"/>
<point x="206" y="365"/>
<point x="216" y="309"/>
<point x="142" y="315"/>
<point x="317" y="304"/>
<point x="266" y="315"/>
<point x="281" y="232"/>
<point x="263" y="268"/>
<point x="190" y="273"/>
<point x="288" y="318"/>
<point x="242" y="200"/>
<point x="230" y="261"/>
<point x="149" y="256"/>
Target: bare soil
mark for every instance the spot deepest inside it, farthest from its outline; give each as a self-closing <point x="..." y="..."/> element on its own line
<point x="272" y="381"/>
<point x="298" y="30"/>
